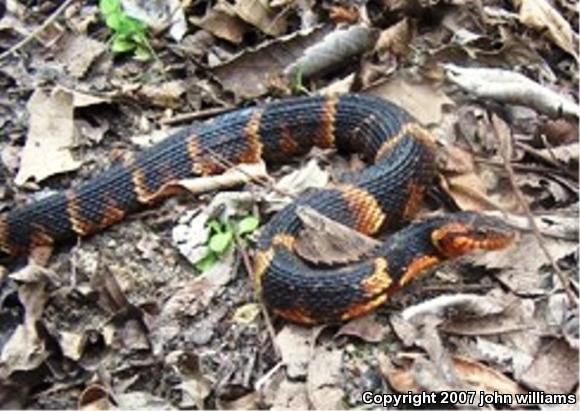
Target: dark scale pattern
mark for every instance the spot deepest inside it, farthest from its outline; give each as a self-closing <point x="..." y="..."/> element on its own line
<point x="378" y="195"/>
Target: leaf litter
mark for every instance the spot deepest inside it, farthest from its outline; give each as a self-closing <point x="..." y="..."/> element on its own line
<point x="125" y="320"/>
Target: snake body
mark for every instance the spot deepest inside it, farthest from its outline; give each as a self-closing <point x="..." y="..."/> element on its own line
<point x="401" y="157"/>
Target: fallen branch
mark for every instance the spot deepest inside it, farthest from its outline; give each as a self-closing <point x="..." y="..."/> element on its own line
<point x="512" y="88"/>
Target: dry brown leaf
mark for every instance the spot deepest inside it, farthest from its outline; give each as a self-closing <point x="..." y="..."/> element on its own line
<point x="197" y="293"/>
<point x="95" y="397"/>
<point x="222" y="22"/>
<point x="344" y="14"/>
<point x="259" y="14"/>
<point x="25" y="349"/>
<point x="249" y="74"/>
<point x="50" y="137"/>
<point x="79" y="53"/>
<point x="555" y="368"/>
<point x="520" y="265"/>
<point x="541" y="15"/>
<point x="412" y="95"/>
<point x="454" y="159"/>
<point x="367" y="328"/>
<point x="484" y="378"/>
<point x="396" y="39"/>
<point x="294" y="183"/>
<point x="159" y="14"/>
<point x="295" y="344"/>
<point x="324" y="377"/>
<point x="327" y="241"/>
<point x="163" y="95"/>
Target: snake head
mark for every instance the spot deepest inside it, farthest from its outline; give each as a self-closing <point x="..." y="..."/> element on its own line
<point x="468" y="232"/>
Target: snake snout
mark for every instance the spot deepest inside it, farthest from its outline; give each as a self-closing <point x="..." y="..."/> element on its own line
<point x="472" y="232"/>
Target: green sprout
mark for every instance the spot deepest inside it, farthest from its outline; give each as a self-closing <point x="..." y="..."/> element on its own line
<point x="222" y="237"/>
<point x="129" y="34"/>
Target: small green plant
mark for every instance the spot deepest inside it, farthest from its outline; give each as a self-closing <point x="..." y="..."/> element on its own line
<point x="129" y="34"/>
<point x="222" y="237"/>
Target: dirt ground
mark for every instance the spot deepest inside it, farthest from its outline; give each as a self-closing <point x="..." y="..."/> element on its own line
<point x="160" y="311"/>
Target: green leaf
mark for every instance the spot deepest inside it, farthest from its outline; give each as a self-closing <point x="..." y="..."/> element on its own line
<point x="248" y="225"/>
<point x="114" y="21"/>
<point x="218" y="243"/>
<point x="142" y="53"/>
<point x="206" y="262"/>
<point x="215" y="225"/>
<point x="122" y="45"/>
<point x="109" y="6"/>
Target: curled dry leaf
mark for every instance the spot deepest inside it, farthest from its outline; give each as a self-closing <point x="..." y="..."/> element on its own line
<point x="512" y="88"/>
<point x="541" y="15"/>
<point x="333" y="51"/>
<point x="327" y="241"/>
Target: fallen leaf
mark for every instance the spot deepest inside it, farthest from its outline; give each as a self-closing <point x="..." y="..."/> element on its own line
<point x="482" y="377"/>
<point x="50" y="137"/>
<point x="555" y="368"/>
<point x="95" y="397"/>
<point x="324" y="377"/>
<point x="249" y="74"/>
<point x="541" y="15"/>
<point x="295" y="344"/>
<point x="79" y="53"/>
<point x="195" y="294"/>
<point x="159" y="14"/>
<point x="566" y="153"/>
<point x="141" y="400"/>
<point x="397" y="38"/>
<point x="222" y="22"/>
<point x="294" y="183"/>
<point x="259" y="14"/>
<point x="519" y="272"/>
<point x="164" y="95"/>
<point x="412" y="95"/>
<point x="327" y="241"/>
<point x="367" y="328"/>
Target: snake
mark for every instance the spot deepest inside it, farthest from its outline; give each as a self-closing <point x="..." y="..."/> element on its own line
<point x="401" y="165"/>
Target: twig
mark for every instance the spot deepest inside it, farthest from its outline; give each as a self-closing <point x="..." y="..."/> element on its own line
<point x="504" y="136"/>
<point x="51" y="19"/>
<point x="540" y="156"/>
<point x="249" y="269"/>
<point x="196" y="115"/>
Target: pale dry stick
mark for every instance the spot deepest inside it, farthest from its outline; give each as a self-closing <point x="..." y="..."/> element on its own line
<point x="51" y="19"/>
<point x="506" y="153"/>
<point x="267" y="319"/>
<point x="195" y="115"/>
